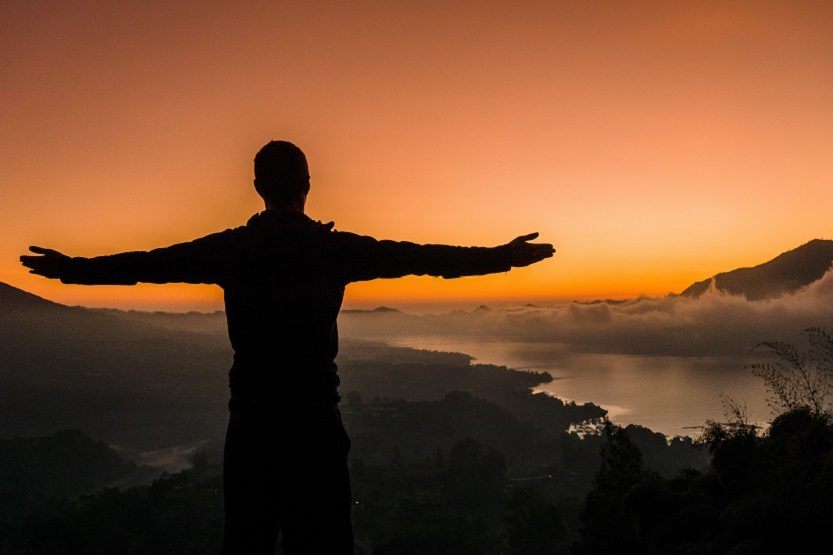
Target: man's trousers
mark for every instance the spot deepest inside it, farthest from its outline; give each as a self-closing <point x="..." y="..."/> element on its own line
<point x="285" y="473"/>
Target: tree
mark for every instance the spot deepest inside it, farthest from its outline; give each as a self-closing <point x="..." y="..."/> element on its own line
<point x="797" y="379"/>
<point x="606" y="528"/>
<point x="733" y="445"/>
<point x="534" y="526"/>
<point x="475" y="477"/>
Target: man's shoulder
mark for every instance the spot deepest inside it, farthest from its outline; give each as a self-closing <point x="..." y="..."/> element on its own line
<point x="290" y="223"/>
<point x="224" y="236"/>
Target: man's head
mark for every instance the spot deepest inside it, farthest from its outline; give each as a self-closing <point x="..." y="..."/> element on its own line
<point x="281" y="174"/>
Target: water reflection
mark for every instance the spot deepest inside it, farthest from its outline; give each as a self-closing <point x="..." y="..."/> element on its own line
<point x="670" y="394"/>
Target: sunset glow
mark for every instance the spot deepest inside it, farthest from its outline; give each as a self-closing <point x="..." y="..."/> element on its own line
<point x="653" y="145"/>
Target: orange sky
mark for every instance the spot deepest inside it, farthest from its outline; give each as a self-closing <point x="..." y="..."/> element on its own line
<point x="653" y="143"/>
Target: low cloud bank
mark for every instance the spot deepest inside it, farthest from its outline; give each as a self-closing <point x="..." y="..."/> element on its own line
<point x="715" y="324"/>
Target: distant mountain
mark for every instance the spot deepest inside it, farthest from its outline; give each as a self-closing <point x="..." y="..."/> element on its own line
<point x="785" y="273"/>
<point x="126" y="379"/>
<point x="377" y="310"/>
<point x="12" y="298"/>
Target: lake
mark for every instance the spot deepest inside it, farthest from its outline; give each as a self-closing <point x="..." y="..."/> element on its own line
<point x="672" y="395"/>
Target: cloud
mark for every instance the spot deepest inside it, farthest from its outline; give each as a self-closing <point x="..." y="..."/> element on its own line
<point x="716" y="324"/>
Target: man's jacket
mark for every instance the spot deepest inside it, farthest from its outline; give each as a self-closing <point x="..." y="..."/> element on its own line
<point x="283" y="276"/>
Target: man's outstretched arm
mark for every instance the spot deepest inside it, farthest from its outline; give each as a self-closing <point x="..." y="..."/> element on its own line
<point x="363" y="258"/>
<point x="198" y="261"/>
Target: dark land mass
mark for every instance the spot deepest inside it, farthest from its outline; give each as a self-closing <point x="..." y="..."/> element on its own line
<point x="785" y="273"/>
<point x="760" y="493"/>
<point x="69" y="493"/>
<point x="64" y="465"/>
<point x="151" y="381"/>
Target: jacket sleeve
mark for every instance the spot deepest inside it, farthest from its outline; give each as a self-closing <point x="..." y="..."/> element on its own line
<point x="203" y="260"/>
<point x="360" y="258"/>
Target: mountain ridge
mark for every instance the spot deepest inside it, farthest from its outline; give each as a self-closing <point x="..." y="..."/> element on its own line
<point x="786" y="273"/>
<point x="12" y="297"/>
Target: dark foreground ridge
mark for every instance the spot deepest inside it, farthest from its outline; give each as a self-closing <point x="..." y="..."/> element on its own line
<point x="761" y="493"/>
<point x="785" y="273"/>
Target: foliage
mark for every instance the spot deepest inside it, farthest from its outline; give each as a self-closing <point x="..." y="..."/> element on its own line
<point x="605" y="526"/>
<point x="180" y="513"/>
<point x="763" y="492"/>
<point x="459" y="475"/>
<point x="65" y="464"/>
<point x="798" y="379"/>
<point x="534" y="525"/>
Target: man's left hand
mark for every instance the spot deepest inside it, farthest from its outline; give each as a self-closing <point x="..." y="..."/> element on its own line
<point x="525" y="253"/>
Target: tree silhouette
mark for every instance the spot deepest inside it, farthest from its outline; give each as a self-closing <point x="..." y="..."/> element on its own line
<point x="797" y="379"/>
<point x="605" y="526"/>
<point x="534" y="526"/>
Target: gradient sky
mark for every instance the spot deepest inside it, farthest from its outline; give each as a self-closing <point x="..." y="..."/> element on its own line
<point x="653" y="143"/>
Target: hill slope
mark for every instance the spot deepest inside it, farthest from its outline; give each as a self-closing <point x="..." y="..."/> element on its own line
<point x="785" y="273"/>
<point x="149" y="381"/>
<point x="126" y="381"/>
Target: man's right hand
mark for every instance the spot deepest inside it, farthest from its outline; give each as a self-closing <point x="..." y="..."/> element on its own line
<point x="525" y="253"/>
<point x="49" y="264"/>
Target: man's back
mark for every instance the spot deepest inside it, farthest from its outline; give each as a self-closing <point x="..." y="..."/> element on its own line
<point x="282" y="299"/>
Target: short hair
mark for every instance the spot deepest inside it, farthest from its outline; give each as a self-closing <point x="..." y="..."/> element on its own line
<point x="281" y="171"/>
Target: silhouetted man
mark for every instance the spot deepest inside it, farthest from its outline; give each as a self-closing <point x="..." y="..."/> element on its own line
<point x="283" y="274"/>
